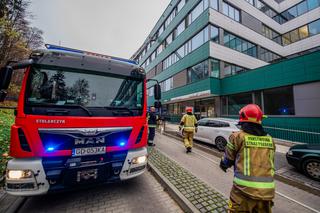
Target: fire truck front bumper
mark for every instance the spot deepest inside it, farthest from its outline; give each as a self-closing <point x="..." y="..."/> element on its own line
<point x="37" y="176"/>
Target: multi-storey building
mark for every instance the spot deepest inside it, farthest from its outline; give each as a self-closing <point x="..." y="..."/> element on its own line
<point x="219" y="55"/>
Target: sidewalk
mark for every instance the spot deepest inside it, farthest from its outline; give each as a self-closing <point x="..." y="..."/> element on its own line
<point x="199" y="196"/>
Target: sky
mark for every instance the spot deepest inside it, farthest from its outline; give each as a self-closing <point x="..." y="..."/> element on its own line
<point x="111" y="27"/>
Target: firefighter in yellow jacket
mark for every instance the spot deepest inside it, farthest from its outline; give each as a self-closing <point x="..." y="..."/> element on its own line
<point x="251" y="152"/>
<point x="189" y="124"/>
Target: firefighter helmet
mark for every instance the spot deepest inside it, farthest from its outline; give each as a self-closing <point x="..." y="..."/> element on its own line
<point x="189" y="109"/>
<point x="251" y="113"/>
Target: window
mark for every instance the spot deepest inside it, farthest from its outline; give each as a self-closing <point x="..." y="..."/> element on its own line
<point x="302" y="8"/>
<point x="198" y="72"/>
<point x="279" y="101"/>
<point x="180" y="5"/>
<point x="313" y="4"/>
<point x="314" y="28"/>
<point x="197" y="41"/>
<point x="294" y="35"/>
<point x="231" y="69"/>
<point x="250" y="1"/>
<point x="231" y="12"/>
<point x="214" y="4"/>
<point x="240" y="44"/>
<point x="169" y="39"/>
<point x="268" y="56"/>
<point x="236" y="102"/>
<point x="180" y="52"/>
<point x="214" y="34"/>
<point x="196" y="12"/>
<point x="215" y="68"/>
<point x="303" y="32"/>
<point x="181" y="27"/>
<point x="161" y="29"/>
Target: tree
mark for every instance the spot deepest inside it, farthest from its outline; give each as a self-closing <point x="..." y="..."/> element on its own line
<point x="79" y="91"/>
<point x="17" y="38"/>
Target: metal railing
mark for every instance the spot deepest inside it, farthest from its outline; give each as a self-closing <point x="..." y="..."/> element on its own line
<point x="305" y="135"/>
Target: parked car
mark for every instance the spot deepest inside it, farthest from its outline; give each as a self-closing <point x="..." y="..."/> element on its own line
<point x="216" y="131"/>
<point x="306" y="158"/>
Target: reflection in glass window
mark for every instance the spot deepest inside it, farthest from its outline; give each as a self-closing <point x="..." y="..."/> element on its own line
<point x="279" y="101"/>
<point x="214" y="4"/>
<point x="196" y="12"/>
<point x="240" y="44"/>
<point x="180" y="5"/>
<point x="268" y="56"/>
<point x="294" y="35"/>
<point x="181" y="27"/>
<point x="236" y="102"/>
<point x="303" y="32"/>
<point x="231" y="69"/>
<point x="198" y="72"/>
<point x="231" y="12"/>
<point x="313" y="4"/>
<point x="214" y="34"/>
<point x="215" y="68"/>
<point x="302" y="8"/>
<point x="314" y="28"/>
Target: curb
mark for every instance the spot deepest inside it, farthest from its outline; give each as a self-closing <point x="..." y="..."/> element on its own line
<point x="185" y="204"/>
<point x="294" y="183"/>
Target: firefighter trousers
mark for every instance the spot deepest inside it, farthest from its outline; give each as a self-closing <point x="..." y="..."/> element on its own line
<point x="240" y="203"/>
<point x="188" y="139"/>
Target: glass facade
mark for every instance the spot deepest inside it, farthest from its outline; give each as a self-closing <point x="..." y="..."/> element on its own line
<point x="231" y="69"/>
<point x="279" y="101"/>
<point x="239" y="44"/>
<point x="301" y="33"/>
<point x="268" y="56"/>
<point x="276" y="101"/>
<point x="231" y="12"/>
<point x="198" y="72"/>
<point x="291" y="13"/>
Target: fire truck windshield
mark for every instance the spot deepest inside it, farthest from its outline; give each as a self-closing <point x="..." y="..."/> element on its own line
<point x="82" y="93"/>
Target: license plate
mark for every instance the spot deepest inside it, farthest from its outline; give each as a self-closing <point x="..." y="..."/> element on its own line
<point x="89" y="151"/>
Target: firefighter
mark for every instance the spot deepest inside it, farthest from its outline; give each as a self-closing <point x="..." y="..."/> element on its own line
<point x="152" y="123"/>
<point x="251" y="152"/>
<point x="189" y="124"/>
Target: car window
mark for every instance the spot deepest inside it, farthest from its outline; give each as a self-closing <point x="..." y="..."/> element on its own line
<point x="224" y="124"/>
<point x="202" y="122"/>
<point x="213" y="124"/>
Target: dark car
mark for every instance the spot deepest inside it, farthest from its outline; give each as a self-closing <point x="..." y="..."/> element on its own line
<point x="306" y="158"/>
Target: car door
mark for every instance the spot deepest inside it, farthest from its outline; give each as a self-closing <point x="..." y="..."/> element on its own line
<point x="201" y="129"/>
<point x="212" y="131"/>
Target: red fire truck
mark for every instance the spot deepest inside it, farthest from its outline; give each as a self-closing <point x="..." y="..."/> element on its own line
<point x="80" y="120"/>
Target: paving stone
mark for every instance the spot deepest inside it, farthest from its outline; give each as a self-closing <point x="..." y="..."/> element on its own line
<point x="196" y="191"/>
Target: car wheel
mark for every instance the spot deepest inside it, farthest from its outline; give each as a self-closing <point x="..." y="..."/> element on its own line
<point x="221" y="143"/>
<point x="311" y="168"/>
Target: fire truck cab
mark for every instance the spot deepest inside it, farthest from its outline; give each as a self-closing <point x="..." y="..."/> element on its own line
<point x="80" y="120"/>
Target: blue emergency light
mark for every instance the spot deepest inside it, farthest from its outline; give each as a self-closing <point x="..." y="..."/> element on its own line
<point x="66" y="49"/>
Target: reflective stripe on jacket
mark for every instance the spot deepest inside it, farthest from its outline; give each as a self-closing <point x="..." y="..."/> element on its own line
<point x="189" y="122"/>
<point x="254" y="164"/>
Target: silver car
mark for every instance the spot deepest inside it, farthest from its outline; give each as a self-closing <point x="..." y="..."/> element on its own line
<point x="216" y="131"/>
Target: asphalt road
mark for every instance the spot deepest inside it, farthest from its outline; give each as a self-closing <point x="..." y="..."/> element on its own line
<point x="206" y="167"/>
<point x="141" y="194"/>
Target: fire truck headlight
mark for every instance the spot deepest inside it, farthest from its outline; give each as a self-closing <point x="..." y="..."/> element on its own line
<point x="19" y="174"/>
<point x="139" y="160"/>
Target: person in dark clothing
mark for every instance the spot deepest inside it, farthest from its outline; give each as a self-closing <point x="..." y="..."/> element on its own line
<point x="152" y="123"/>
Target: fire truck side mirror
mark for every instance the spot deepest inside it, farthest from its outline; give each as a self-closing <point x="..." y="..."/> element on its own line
<point x="157" y="92"/>
<point x="5" y="77"/>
